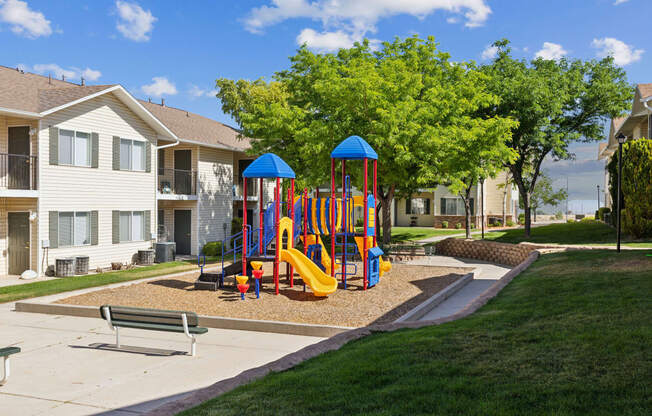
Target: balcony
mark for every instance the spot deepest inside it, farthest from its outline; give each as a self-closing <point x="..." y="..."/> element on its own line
<point x="252" y="191"/>
<point x="177" y="184"/>
<point x="18" y="175"/>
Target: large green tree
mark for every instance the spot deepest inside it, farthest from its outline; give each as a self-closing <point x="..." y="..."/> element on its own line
<point x="555" y="103"/>
<point x="406" y="99"/>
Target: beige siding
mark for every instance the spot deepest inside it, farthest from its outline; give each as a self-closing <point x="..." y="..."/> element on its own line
<point x="168" y="164"/>
<point x="17" y="205"/>
<point x="404" y="219"/>
<point x="494" y="196"/>
<point x="168" y="208"/>
<point x="215" y="170"/>
<point x="68" y="188"/>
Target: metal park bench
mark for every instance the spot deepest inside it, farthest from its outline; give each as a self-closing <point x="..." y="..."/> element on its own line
<point x="5" y="353"/>
<point x="153" y="320"/>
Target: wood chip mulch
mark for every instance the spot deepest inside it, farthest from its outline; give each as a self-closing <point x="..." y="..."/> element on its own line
<point x="399" y="290"/>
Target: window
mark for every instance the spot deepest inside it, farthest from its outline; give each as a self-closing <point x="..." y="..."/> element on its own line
<point x="132" y="155"/>
<point x="74" y="148"/>
<point x="417" y="206"/>
<point x="455" y="206"/>
<point x="74" y="229"/>
<point x="132" y="226"/>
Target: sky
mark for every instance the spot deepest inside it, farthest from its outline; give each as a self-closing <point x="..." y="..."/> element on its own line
<point x="175" y="51"/>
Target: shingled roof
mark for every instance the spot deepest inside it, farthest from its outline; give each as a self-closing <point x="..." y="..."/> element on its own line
<point x="198" y="129"/>
<point x="645" y="89"/>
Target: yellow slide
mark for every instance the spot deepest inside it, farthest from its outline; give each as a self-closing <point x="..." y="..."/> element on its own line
<point x="325" y="257"/>
<point x="321" y="283"/>
<point x="385" y="266"/>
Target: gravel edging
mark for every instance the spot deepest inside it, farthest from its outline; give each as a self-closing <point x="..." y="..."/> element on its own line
<point x="336" y="342"/>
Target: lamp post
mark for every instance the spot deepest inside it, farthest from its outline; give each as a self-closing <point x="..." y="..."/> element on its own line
<point x="621" y="139"/>
<point x="598" y="198"/>
<point x="482" y="204"/>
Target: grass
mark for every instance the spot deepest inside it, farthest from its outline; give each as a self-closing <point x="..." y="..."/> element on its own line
<point x="569" y="336"/>
<point x="579" y="232"/>
<point x="404" y="234"/>
<point x="51" y="287"/>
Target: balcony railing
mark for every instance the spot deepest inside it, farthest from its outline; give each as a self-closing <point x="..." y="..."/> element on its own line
<point x="18" y="171"/>
<point x="177" y="182"/>
<point x="252" y="190"/>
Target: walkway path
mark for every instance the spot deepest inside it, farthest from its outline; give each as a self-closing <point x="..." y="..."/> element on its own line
<point x="486" y="275"/>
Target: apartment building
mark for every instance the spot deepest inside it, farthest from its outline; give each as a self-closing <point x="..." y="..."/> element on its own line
<point x="90" y="170"/>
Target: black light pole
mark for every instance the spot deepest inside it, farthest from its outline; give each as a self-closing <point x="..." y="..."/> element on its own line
<point x="598" y="199"/>
<point x="621" y="139"/>
<point x="482" y="205"/>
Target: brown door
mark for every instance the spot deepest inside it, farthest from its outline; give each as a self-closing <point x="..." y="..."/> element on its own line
<point x="18" y="159"/>
<point x="182" y="172"/>
<point x="18" y="235"/>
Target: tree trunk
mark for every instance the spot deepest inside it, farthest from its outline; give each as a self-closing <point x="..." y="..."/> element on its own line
<point x="505" y="207"/>
<point x="386" y="206"/>
<point x="466" y="198"/>
<point x="528" y="215"/>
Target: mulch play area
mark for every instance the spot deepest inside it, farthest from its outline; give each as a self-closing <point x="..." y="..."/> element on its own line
<point x="399" y="290"/>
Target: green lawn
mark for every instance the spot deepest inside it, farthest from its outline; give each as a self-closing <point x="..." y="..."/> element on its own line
<point x="403" y="234"/>
<point x="580" y="232"/>
<point x="569" y="336"/>
<point x="51" y="287"/>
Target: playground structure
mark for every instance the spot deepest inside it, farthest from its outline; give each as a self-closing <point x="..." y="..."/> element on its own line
<point x="308" y="219"/>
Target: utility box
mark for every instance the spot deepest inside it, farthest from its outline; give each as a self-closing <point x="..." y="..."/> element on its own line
<point x="165" y="252"/>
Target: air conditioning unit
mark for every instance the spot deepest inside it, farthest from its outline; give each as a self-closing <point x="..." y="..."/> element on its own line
<point x="165" y="252"/>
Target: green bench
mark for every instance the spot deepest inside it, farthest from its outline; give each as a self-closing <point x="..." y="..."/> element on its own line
<point x="5" y="353"/>
<point x="153" y="320"/>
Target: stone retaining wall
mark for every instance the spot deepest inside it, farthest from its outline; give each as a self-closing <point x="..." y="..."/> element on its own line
<point x="502" y="253"/>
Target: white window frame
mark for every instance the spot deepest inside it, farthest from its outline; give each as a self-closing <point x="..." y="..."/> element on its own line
<point x="458" y="204"/>
<point x="73" y="155"/>
<point x="72" y="239"/>
<point x="131" y="231"/>
<point x="131" y="154"/>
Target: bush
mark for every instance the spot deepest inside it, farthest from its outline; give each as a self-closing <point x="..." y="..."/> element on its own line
<point x="444" y="224"/>
<point x="559" y="215"/>
<point x="472" y="225"/>
<point x="499" y="223"/>
<point x="570" y="220"/>
<point x="458" y="225"/>
<point x="601" y="212"/>
<point x="637" y="188"/>
<point x="521" y="218"/>
<point x="587" y="219"/>
<point x="510" y="223"/>
<point x="359" y="222"/>
<point x="212" y="249"/>
<point x="236" y="227"/>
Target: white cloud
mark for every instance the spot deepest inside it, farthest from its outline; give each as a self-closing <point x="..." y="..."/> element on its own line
<point x="622" y="53"/>
<point x="325" y="41"/>
<point x="23" y="20"/>
<point x="161" y="86"/>
<point x="135" y="23"/>
<point x="71" y="73"/>
<point x="617" y="2"/>
<point x="490" y="52"/>
<point x="197" y="92"/>
<point x="344" y="21"/>
<point x="551" y="51"/>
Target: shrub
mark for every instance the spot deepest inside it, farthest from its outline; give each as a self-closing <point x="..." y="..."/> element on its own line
<point x="499" y="223"/>
<point x="602" y="211"/>
<point x="637" y="188"/>
<point x="236" y="227"/>
<point x="587" y="219"/>
<point x="458" y="225"/>
<point x="510" y="223"/>
<point x="359" y="222"/>
<point x="472" y="225"/>
<point x="521" y="218"/>
<point x="570" y="220"/>
<point x="444" y="224"/>
<point x="212" y="249"/>
<point x="559" y="215"/>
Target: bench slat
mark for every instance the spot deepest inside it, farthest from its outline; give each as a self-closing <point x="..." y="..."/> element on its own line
<point x="157" y="327"/>
<point x="7" y="351"/>
<point x="145" y="315"/>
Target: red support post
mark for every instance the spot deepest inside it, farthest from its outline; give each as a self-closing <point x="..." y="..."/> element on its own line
<point x="277" y="219"/>
<point x="375" y="202"/>
<point x="261" y="236"/>
<point x="333" y="231"/>
<point x="244" y="227"/>
<point x="365" y="216"/>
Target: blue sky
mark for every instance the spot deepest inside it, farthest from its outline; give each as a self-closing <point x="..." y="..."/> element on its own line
<point x="176" y="50"/>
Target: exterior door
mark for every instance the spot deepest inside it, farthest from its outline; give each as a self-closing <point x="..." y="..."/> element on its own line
<point x="19" y="242"/>
<point x="18" y="162"/>
<point x="182" y="234"/>
<point x="182" y="172"/>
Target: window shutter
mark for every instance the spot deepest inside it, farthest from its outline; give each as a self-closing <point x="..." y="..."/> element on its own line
<point x="427" y="206"/>
<point x="116" y="153"/>
<point x="95" y="150"/>
<point x="161" y="162"/>
<point x="116" y="227"/>
<point x="148" y="226"/>
<point x="54" y="146"/>
<point x="408" y="206"/>
<point x="94" y="226"/>
<point x="148" y="156"/>
<point x="443" y="206"/>
<point x="54" y="229"/>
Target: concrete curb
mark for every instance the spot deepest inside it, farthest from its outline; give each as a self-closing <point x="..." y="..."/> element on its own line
<point x="199" y="396"/>
<point x="431" y="303"/>
<point x="219" y="322"/>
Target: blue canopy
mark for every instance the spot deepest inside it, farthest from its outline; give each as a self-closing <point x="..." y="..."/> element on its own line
<point x="268" y="166"/>
<point x="354" y="148"/>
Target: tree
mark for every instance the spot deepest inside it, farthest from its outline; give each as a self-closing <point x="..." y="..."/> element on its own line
<point x="543" y="194"/>
<point x="406" y="99"/>
<point x="556" y="103"/>
<point x="637" y="188"/>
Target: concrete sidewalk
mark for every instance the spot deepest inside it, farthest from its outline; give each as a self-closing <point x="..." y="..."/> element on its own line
<point x="69" y="366"/>
<point x="486" y="275"/>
